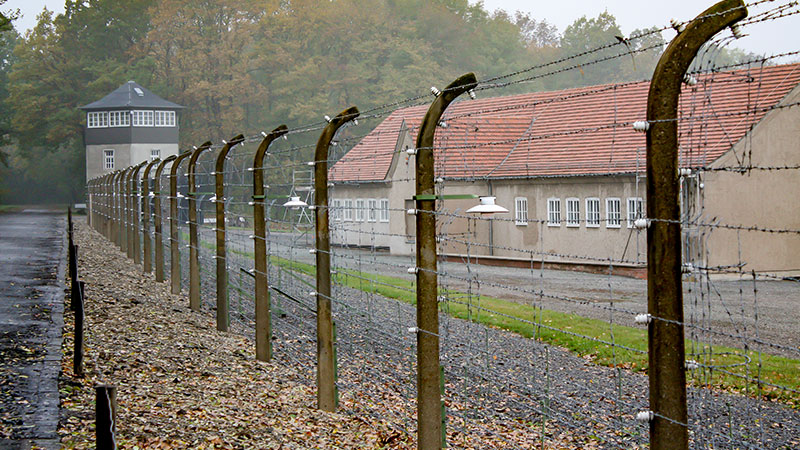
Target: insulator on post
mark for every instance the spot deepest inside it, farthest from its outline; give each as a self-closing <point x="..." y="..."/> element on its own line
<point x="691" y="80"/>
<point x="411" y="212"/>
<point x="413" y="329"/>
<point x="471" y="93"/>
<point x="692" y="365"/>
<point x="641" y="223"/>
<point x="736" y="30"/>
<point x="643" y="318"/>
<point x="328" y="119"/>
<point x="411" y="151"/>
<point x="677" y="26"/>
<point x="436" y="92"/>
<point x="644" y="416"/>
<point x="413" y="270"/>
<point x="641" y="125"/>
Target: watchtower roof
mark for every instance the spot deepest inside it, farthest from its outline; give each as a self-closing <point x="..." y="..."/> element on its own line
<point x="131" y="95"/>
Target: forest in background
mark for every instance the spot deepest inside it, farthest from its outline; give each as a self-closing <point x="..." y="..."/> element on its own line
<point x="243" y="66"/>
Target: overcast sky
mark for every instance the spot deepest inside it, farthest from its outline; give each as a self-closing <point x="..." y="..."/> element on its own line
<point x="768" y="38"/>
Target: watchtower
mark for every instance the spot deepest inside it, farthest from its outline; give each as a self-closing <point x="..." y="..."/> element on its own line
<point x="128" y="126"/>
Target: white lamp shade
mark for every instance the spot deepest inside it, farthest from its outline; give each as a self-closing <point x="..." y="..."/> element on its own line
<point x="295" y="202"/>
<point x="487" y="207"/>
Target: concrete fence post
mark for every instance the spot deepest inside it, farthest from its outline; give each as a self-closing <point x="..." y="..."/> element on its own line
<point x="223" y="316"/>
<point x="326" y="365"/>
<point x="147" y="244"/>
<point x="174" y="239"/>
<point x="263" y="313"/>
<point x="667" y="376"/>
<point x="157" y="219"/>
<point x="194" y="242"/>
<point x="429" y="403"/>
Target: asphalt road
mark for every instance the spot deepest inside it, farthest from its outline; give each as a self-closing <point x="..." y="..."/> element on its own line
<point x="32" y="266"/>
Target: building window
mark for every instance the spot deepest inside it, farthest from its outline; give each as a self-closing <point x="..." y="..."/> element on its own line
<point x="554" y="212"/>
<point x="164" y="118"/>
<point x="119" y="118"/>
<point x="348" y="210"/>
<point x="142" y="118"/>
<point x="155" y="153"/>
<point x="384" y="210"/>
<point x="336" y="209"/>
<point x="372" y="210"/>
<point x="521" y="211"/>
<point x="97" y="119"/>
<point x="592" y="212"/>
<point x="613" y="213"/>
<point x="108" y="159"/>
<point x="360" y="210"/>
<point x="634" y="210"/>
<point x="573" y="212"/>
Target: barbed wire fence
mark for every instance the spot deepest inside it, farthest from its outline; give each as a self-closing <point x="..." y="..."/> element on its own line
<point x="532" y="352"/>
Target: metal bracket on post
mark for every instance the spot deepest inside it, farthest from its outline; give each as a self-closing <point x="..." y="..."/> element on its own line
<point x="223" y="317"/>
<point x="326" y="384"/>
<point x="429" y="406"/>
<point x="147" y="245"/>
<point x="263" y="316"/>
<point x="668" y="429"/>
<point x="174" y="251"/>
<point x="159" y="244"/>
<point x="194" y="262"/>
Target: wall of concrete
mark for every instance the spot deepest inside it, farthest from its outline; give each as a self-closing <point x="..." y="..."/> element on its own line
<point x="759" y="198"/>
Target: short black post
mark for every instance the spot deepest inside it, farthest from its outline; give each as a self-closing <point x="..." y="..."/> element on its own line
<point x="74" y="286"/>
<point x="105" y="420"/>
<point x="77" y="358"/>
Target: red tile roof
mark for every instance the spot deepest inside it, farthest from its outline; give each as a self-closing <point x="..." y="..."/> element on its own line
<point x="583" y="131"/>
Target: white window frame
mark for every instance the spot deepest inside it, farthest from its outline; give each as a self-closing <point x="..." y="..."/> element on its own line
<point x="348" y="210"/>
<point x="613" y="212"/>
<point x="635" y="210"/>
<point x="97" y="119"/>
<point x="108" y="159"/>
<point x="361" y="206"/>
<point x="573" y="212"/>
<point x="119" y="119"/>
<point x="142" y="118"/>
<point x="155" y="153"/>
<point x="592" y="214"/>
<point x="164" y="118"/>
<point x="336" y="210"/>
<point x="553" y="212"/>
<point x="384" y="210"/>
<point x="521" y="211"/>
<point x="372" y="210"/>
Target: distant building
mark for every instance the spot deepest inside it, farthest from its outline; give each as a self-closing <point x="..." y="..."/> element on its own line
<point x="128" y="126"/>
<point x="571" y="170"/>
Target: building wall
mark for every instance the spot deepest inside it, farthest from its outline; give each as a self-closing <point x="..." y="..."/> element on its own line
<point x="501" y="236"/>
<point x="758" y="198"/>
<point x="124" y="155"/>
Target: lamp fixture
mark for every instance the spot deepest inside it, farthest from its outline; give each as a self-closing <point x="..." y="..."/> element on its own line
<point x="487" y="207"/>
<point x="295" y="203"/>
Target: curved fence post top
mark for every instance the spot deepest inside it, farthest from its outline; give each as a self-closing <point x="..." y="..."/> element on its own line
<point x="258" y="159"/>
<point x="321" y="153"/>
<point x="223" y="152"/>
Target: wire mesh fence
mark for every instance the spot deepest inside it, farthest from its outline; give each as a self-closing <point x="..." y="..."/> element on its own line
<point x="545" y="334"/>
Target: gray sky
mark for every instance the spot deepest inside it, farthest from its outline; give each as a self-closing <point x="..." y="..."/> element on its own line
<point x="767" y="38"/>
